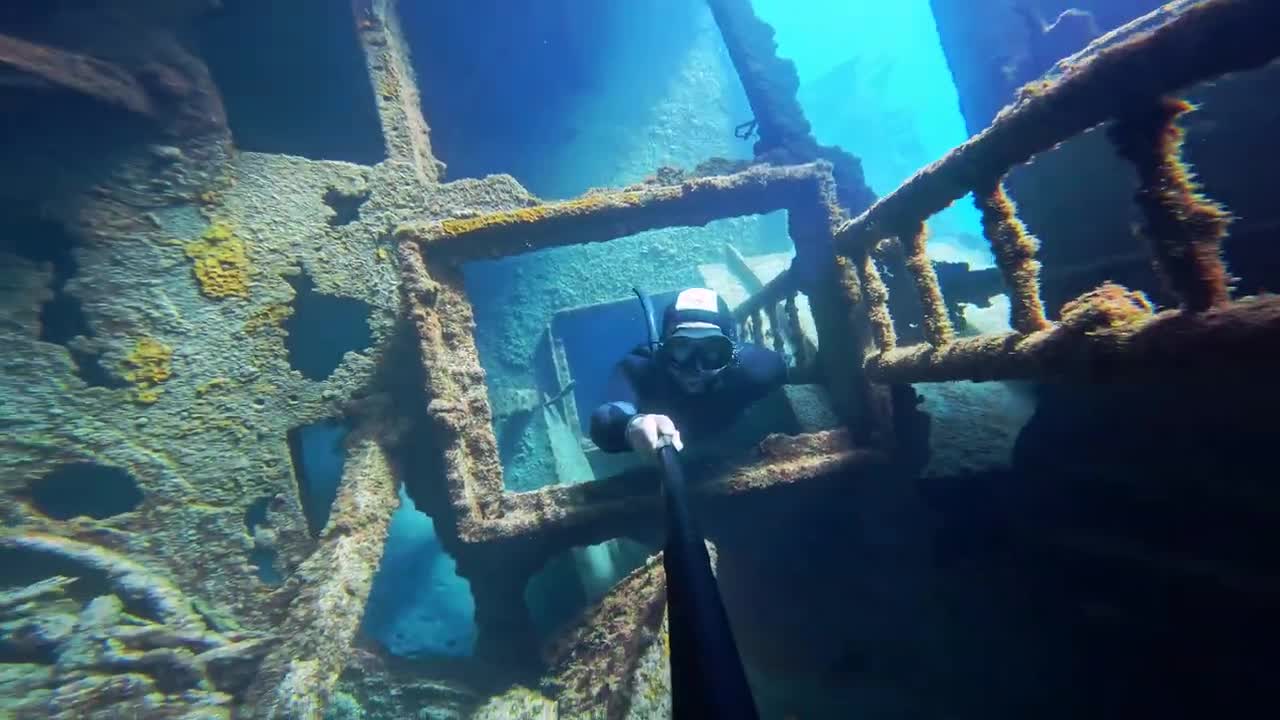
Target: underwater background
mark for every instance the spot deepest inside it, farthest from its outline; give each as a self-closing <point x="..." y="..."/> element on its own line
<point x="229" y="475"/>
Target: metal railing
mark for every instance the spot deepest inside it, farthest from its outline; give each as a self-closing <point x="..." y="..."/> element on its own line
<point x="1126" y="77"/>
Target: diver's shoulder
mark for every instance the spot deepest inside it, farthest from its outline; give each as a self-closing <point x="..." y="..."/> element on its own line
<point x="637" y="364"/>
<point x="760" y="366"/>
<point x="638" y="356"/>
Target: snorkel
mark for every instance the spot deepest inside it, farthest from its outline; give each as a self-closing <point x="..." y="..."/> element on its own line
<point x="647" y="306"/>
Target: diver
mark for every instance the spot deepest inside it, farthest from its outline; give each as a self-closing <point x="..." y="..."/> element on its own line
<point x="694" y="381"/>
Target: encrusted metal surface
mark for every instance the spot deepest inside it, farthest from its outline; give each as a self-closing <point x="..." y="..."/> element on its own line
<point x="606" y="215"/>
<point x="185" y="251"/>
<point x="125" y="642"/>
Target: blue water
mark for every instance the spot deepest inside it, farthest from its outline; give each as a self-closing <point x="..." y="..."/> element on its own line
<point x="874" y="80"/>
<point x="419" y="606"/>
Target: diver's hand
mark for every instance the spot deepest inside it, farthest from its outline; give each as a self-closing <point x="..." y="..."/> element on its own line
<point x="647" y="433"/>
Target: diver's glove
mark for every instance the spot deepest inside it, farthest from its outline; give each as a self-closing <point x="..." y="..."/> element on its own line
<point x="647" y="433"/>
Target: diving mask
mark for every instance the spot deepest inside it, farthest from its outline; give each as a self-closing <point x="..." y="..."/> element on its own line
<point x="711" y="353"/>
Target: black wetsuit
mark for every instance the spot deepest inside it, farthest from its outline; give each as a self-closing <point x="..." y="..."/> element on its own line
<point x="642" y="385"/>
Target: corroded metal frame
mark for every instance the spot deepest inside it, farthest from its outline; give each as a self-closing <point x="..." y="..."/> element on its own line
<point x="432" y="255"/>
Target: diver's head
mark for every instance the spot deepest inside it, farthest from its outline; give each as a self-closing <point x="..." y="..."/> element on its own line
<point x="697" y="339"/>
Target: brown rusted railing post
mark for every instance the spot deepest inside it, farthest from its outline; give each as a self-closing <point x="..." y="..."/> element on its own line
<point x="795" y="330"/>
<point x="1185" y="228"/>
<point x="1015" y="252"/>
<point x="757" y="327"/>
<point x="779" y="344"/>
<point x="937" y="326"/>
<point x="877" y="299"/>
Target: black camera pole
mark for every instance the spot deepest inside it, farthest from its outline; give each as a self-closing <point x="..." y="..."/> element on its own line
<point x="708" y="681"/>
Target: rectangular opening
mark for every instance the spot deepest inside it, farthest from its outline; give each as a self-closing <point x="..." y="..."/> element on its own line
<point x="318" y="458"/>
<point x="293" y="77"/>
<point x="553" y="325"/>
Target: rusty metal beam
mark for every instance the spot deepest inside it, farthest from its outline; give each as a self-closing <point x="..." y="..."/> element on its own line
<point x="604" y="216"/>
<point x="405" y="130"/>
<point x="876" y="296"/>
<point x="1196" y="42"/>
<point x="33" y="65"/>
<point x="1184" y="228"/>
<point x="332" y="586"/>
<point x="630" y="504"/>
<point x="770" y="82"/>
<point x="609" y="643"/>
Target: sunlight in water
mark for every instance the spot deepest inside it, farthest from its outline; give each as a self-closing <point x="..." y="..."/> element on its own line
<point x="874" y="80"/>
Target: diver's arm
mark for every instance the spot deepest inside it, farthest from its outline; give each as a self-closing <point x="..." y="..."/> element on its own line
<point x="609" y="421"/>
<point x="647" y="433"/>
<point x="609" y="426"/>
<point x="618" y="426"/>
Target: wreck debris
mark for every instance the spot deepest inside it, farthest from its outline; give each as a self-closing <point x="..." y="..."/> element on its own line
<point x="1185" y="228"/>
<point x="441" y="315"/>
<point x="596" y="666"/>
<point x="332" y="586"/>
<point x="504" y="537"/>
<point x="129" y="580"/>
<point x="404" y="129"/>
<point x="501" y="537"/>
<point x="79" y="660"/>
<point x="40" y="65"/>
